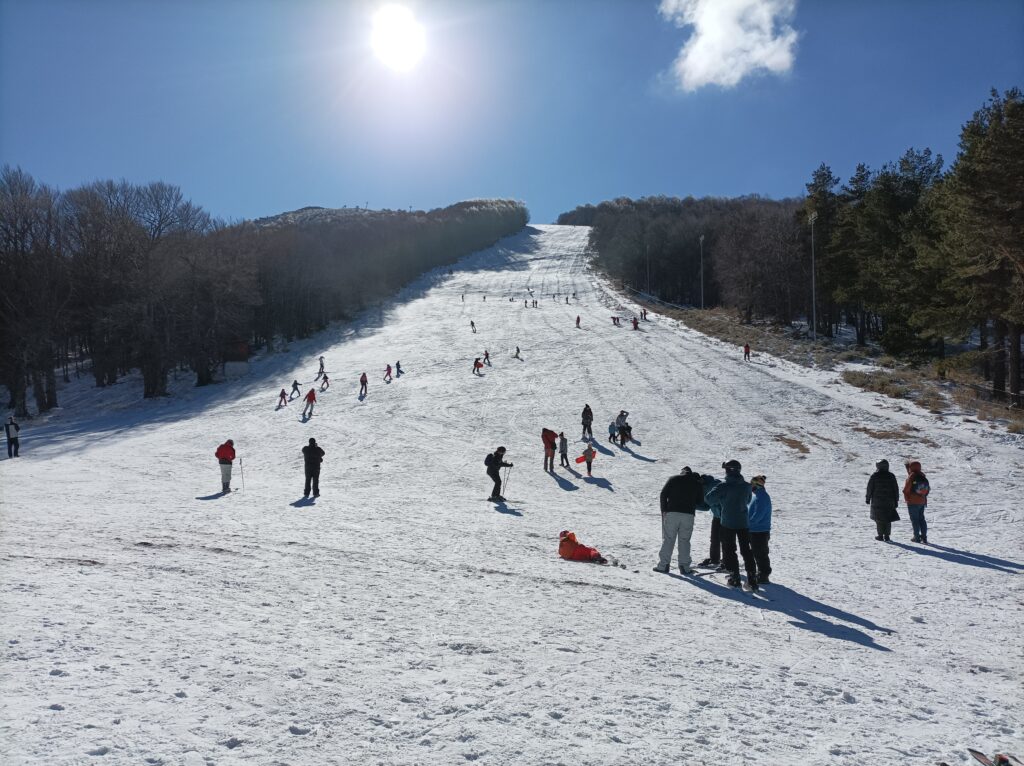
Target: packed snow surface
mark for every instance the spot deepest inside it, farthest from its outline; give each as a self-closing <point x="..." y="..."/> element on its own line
<point x="402" y="618"/>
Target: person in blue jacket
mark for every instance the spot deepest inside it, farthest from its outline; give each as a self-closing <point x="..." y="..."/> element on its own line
<point x="714" y="558"/>
<point x="733" y="495"/>
<point x="759" y="517"/>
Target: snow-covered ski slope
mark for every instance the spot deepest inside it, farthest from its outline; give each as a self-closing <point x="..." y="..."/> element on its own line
<point x="403" y="619"/>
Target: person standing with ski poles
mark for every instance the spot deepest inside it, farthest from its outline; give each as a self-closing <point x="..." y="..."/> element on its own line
<point x="225" y="455"/>
<point x="495" y="462"/>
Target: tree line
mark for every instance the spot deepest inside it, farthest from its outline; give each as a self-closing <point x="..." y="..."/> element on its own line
<point x="911" y="255"/>
<point x="112" y="277"/>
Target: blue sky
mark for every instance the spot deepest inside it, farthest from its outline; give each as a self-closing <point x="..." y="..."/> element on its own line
<point x="256" y="107"/>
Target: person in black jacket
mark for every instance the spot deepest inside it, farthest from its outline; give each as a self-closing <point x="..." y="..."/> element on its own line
<point x="679" y="499"/>
<point x="312" y="456"/>
<point x="883" y="496"/>
<point x="495" y="462"/>
<point x="588" y="419"/>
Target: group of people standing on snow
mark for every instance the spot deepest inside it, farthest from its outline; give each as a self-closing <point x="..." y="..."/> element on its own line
<point x="883" y="495"/>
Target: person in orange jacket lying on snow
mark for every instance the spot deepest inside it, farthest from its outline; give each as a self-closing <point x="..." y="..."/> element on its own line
<point x="572" y="549"/>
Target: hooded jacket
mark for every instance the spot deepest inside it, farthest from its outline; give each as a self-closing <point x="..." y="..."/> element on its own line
<point x="883" y="493"/>
<point x="733" y="495"/>
<point x="225" y="453"/>
<point x="916" y="487"/>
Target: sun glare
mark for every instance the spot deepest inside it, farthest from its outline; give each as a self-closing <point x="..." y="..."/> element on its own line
<point x="398" y="39"/>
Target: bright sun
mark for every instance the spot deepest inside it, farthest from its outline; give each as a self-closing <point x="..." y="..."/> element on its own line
<point x="398" y="39"/>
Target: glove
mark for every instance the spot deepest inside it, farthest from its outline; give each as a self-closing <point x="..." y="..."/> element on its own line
<point x="511" y="464"/>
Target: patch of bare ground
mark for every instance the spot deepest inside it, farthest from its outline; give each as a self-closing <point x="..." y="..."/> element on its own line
<point x="905" y="433"/>
<point x="792" y="443"/>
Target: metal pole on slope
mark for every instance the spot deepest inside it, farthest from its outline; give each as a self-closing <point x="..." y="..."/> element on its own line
<point x="814" y="298"/>
<point x="504" y="485"/>
<point x="241" y="470"/>
<point x="702" y="271"/>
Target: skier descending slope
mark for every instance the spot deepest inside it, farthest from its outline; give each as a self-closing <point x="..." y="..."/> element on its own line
<point x="225" y="455"/>
<point x="734" y="496"/>
<point x="310" y="401"/>
<point x="312" y="457"/>
<point x="495" y="462"/>
<point x="363" y="382"/>
<point x="282" y="399"/>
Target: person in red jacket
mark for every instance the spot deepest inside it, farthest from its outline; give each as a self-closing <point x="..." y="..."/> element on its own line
<point x="387" y="374"/>
<point x="477" y="366"/>
<point x="310" y="401"/>
<point x="573" y="550"/>
<point x="550" y="439"/>
<point x="282" y="400"/>
<point x="362" y="385"/>
<point x="636" y="324"/>
<point x="746" y="352"/>
<point x="225" y="455"/>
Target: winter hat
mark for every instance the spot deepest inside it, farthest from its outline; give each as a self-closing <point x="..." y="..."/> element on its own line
<point x="564" y="534"/>
<point x="732" y="466"/>
<point x="686" y="469"/>
<point x="231" y="442"/>
<point x="500" y="449"/>
<point x="882" y="465"/>
<point x="312" y="440"/>
<point x="758" y="481"/>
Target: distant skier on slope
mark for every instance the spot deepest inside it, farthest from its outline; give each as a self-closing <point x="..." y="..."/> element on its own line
<point x="495" y="462"/>
<point x="312" y="457"/>
<point x="550" y="439"/>
<point x="516" y="354"/>
<point x="487" y="357"/>
<point x="225" y="455"/>
<point x="477" y="366"/>
<point x="295" y="390"/>
<point x="573" y="550"/>
<point x="472" y="325"/>
<point x="588" y="420"/>
<point x="282" y="400"/>
<point x="883" y="495"/>
<point x="321" y="372"/>
<point x="11" y="429"/>
<point x="398" y="369"/>
<point x="310" y="401"/>
<point x="636" y="324"/>
<point x="746" y="352"/>
<point x="363" y="383"/>
<point x="387" y="374"/>
<point x="577" y="317"/>
<point x="325" y="384"/>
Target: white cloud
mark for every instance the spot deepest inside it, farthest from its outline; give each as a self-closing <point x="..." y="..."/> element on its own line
<point x="731" y="39"/>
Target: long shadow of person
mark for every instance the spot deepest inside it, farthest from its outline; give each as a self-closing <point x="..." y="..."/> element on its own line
<point x="596" y="444"/>
<point x="599" y="482"/>
<point x="807" y="613"/>
<point x="502" y="507"/>
<point x="565" y="484"/>
<point x="211" y="497"/>
<point x="302" y="502"/>
<point x="638" y="456"/>
<point x="962" y="557"/>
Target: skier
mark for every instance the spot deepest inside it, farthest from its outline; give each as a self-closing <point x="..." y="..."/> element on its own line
<point x="714" y="558"/>
<point x="679" y="500"/>
<point x="516" y="354"/>
<point x="573" y="550"/>
<point x="567" y="299"/>
<point x="225" y="455"/>
<point x="310" y="401"/>
<point x="12" y="428"/>
<point x="326" y="383"/>
<point x="295" y="390"/>
<point x="321" y="372"/>
<point x="550" y="439"/>
<point x="883" y="496"/>
<point x="477" y="366"/>
<point x="915" y="492"/>
<point x="363" y="381"/>
<point x="577" y="317"/>
<point x="524" y="303"/>
<point x="282" y="400"/>
<point x="636" y="324"/>
<point x="495" y="462"/>
<point x="563" y="450"/>
<point x="759" y="518"/>
<point x="588" y="457"/>
<point x="588" y="419"/>
<point x="387" y="374"/>
<point x="746" y="352"/>
<point x="487" y="357"/>
<point x="398" y="369"/>
<point x="625" y="430"/>
<point x="472" y="325"/>
<point x="312" y="457"/>
<point x="734" y="496"/>
<point x="613" y="431"/>
<point x="463" y="297"/>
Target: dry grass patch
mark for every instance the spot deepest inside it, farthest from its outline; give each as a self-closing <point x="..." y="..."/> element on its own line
<point x="796" y="444"/>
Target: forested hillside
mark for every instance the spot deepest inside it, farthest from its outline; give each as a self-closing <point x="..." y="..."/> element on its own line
<point x="112" y="276"/>
<point x="910" y="255"/>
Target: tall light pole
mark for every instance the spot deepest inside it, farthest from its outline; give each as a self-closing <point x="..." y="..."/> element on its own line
<point x="702" y="271"/>
<point x="814" y="298"/>
<point x="648" y="247"/>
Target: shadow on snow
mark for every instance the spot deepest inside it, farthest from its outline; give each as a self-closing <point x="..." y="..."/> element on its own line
<point x="963" y="557"/>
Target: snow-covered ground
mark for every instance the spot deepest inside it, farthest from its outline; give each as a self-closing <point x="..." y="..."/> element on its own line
<point x="403" y="619"/>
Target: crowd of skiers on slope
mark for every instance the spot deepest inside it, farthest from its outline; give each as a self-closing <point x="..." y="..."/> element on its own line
<point x="310" y="400"/>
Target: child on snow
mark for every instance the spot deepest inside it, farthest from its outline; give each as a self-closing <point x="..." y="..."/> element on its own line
<point x="613" y="431"/>
<point x="571" y="549"/>
<point x="363" y="381"/>
<point x="759" y="520"/>
<point x="326" y="383"/>
<point x="282" y="400"/>
<point x="563" y="450"/>
<point x="387" y="374"/>
<point x="588" y="455"/>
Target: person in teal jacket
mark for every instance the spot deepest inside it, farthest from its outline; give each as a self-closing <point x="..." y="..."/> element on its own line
<point x="733" y="495"/>
<point x="759" y="515"/>
<point x="714" y="558"/>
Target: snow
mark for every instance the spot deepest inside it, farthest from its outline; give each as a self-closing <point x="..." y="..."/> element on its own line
<point x="402" y="619"/>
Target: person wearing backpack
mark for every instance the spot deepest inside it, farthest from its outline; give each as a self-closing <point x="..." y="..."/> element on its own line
<point x="883" y="496"/>
<point x="915" y="492"/>
<point x="550" y="439"/>
<point x="495" y="462"/>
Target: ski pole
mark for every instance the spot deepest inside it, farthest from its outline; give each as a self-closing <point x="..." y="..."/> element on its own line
<point x="505" y="484"/>
<point x="241" y="469"/>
